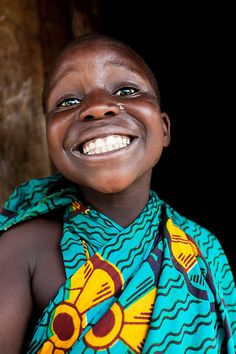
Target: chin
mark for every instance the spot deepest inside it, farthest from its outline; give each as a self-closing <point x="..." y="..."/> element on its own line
<point x="111" y="185"/>
<point x="110" y="189"/>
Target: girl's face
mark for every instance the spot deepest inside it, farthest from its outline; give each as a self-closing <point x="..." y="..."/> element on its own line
<point x="104" y="125"/>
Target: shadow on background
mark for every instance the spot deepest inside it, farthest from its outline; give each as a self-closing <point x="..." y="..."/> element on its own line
<point x="190" y="49"/>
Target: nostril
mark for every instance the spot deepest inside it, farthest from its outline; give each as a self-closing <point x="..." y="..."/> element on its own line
<point x="88" y="117"/>
<point x="109" y="113"/>
<point x="96" y="116"/>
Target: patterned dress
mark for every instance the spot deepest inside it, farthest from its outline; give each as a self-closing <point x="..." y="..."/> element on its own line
<point x="161" y="285"/>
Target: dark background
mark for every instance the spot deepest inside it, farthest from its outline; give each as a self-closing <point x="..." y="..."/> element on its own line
<point x="190" y="49"/>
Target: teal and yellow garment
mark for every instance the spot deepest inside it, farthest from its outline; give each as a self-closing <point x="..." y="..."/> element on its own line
<point x="160" y="285"/>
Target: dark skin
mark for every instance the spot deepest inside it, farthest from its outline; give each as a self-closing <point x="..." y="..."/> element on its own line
<point x="98" y="89"/>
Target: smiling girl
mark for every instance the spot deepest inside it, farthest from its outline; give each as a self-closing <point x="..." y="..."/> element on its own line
<point x="91" y="252"/>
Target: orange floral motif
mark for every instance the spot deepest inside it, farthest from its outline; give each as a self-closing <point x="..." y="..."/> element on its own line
<point x="183" y="249"/>
<point x="128" y="324"/>
<point x="96" y="281"/>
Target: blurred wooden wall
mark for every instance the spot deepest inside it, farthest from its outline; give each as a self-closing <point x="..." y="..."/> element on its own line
<point x="31" y="35"/>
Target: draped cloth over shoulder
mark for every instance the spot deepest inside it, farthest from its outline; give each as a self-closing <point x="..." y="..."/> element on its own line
<point x="161" y="285"/>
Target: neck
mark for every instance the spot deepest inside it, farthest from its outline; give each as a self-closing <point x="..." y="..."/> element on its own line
<point x="122" y="207"/>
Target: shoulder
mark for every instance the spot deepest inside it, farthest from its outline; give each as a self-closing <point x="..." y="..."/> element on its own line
<point x="20" y="248"/>
<point x="35" y="197"/>
<point x="26" y="240"/>
<point x="211" y="258"/>
<point x="210" y="248"/>
<point x="207" y="242"/>
<point x="204" y="238"/>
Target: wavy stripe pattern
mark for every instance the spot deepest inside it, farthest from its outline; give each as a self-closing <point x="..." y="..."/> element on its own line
<point x="161" y="285"/>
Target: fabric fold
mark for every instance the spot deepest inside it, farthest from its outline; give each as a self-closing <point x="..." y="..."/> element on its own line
<point x="161" y="284"/>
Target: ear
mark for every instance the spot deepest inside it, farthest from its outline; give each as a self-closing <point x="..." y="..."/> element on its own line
<point x="166" y="128"/>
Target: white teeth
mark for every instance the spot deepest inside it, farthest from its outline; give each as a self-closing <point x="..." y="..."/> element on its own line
<point x="102" y="145"/>
<point x="110" y="140"/>
<point x="98" y="143"/>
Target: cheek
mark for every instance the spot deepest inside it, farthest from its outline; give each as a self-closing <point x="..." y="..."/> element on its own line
<point x="148" y="115"/>
<point x="145" y="109"/>
<point x="55" y="138"/>
<point x="154" y="144"/>
<point x="55" y="134"/>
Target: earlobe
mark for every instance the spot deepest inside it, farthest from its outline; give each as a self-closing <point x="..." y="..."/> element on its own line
<point x="166" y="128"/>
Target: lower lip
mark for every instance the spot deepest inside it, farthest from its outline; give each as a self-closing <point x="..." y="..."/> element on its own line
<point x="107" y="154"/>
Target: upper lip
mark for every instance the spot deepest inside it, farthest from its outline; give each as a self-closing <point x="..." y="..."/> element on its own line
<point x="94" y="132"/>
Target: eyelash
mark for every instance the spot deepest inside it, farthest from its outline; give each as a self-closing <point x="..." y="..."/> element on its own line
<point x="131" y="89"/>
<point x="75" y="101"/>
<point x="65" y="102"/>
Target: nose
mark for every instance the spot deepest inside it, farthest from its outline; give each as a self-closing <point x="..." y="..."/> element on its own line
<point x="98" y="107"/>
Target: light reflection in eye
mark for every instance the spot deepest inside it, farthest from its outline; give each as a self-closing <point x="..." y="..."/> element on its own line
<point x="125" y="91"/>
<point x="69" y="102"/>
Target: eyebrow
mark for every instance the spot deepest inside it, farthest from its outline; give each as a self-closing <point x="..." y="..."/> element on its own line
<point x="54" y="81"/>
<point x="120" y="64"/>
<point x="123" y="64"/>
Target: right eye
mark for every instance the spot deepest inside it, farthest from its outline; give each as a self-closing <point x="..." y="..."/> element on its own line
<point x="68" y="102"/>
<point x="125" y="91"/>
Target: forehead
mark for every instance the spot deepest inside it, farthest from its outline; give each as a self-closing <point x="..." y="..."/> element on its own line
<point x="98" y="49"/>
<point x="99" y="53"/>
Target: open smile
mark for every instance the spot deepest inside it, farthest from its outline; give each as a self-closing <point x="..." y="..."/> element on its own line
<point x="103" y="145"/>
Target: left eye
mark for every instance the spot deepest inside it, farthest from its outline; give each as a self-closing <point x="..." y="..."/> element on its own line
<point x="125" y="91"/>
<point x="69" y="102"/>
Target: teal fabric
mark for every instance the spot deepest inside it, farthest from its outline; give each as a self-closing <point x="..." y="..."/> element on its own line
<point x="168" y="279"/>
